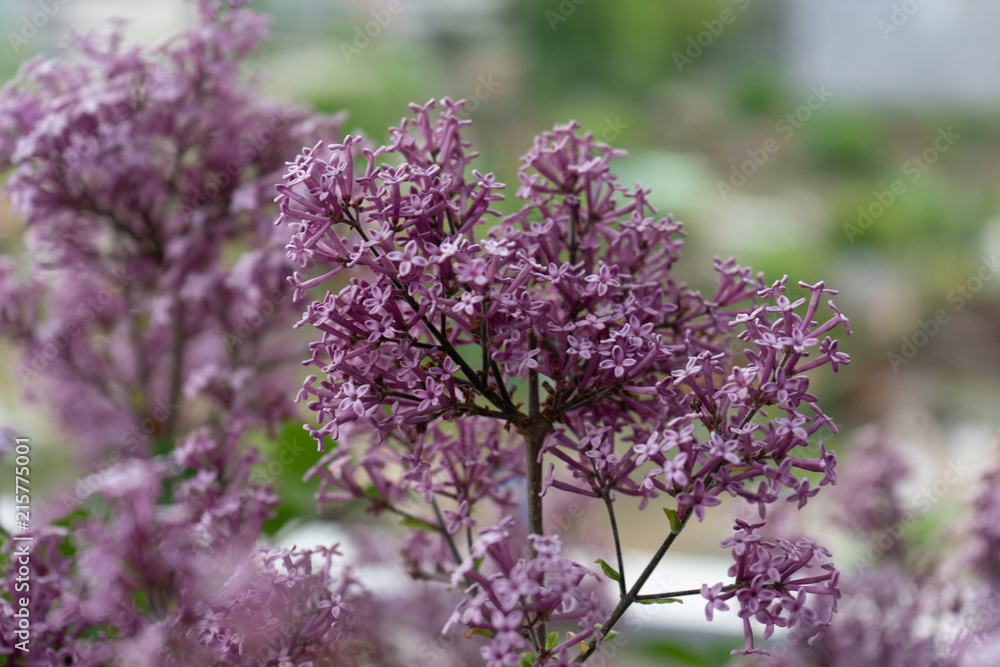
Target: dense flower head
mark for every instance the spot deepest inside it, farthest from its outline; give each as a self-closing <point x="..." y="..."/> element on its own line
<point x="587" y="302"/>
<point x="144" y="178"/>
<point x="777" y="583"/>
<point x="524" y="593"/>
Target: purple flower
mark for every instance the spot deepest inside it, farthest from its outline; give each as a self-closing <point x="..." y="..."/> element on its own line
<point x="352" y="398"/>
<point x="698" y="499"/>
<point x="712" y="595"/>
<point x="603" y="279"/>
<point x="618" y="361"/>
<point x="408" y="259"/>
<point x="512" y="600"/>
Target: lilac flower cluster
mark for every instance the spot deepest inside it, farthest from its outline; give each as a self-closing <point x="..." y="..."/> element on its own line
<point x="144" y="177"/>
<point x="923" y="600"/>
<point x="141" y="176"/>
<point x="774" y="581"/>
<point x="183" y="581"/>
<point x="522" y="596"/>
<point x="564" y="322"/>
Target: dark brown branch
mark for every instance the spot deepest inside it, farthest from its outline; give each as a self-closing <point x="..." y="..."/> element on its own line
<point x="609" y="504"/>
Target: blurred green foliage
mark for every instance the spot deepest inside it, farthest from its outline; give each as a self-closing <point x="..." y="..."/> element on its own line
<point x="284" y="463"/>
<point x="683" y="652"/>
<point x="621" y="48"/>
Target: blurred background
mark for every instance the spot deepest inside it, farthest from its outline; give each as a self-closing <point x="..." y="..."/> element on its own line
<point x="855" y="142"/>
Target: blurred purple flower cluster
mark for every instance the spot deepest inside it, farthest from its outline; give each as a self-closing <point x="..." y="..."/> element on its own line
<point x="144" y="176"/>
<point x="156" y="301"/>
<point x="912" y="598"/>
<point x="130" y="577"/>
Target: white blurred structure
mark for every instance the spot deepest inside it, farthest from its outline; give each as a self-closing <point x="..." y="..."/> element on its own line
<point x="937" y="51"/>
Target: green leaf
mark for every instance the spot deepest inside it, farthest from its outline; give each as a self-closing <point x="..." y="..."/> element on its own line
<point x="419" y="524"/>
<point x="527" y="659"/>
<point x="164" y="446"/>
<point x="479" y="631"/>
<point x="661" y="601"/>
<point x="675" y="521"/>
<point x="609" y="571"/>
<point x="552" y="641"/>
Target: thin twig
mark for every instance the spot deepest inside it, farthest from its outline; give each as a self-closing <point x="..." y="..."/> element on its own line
<point x="444" y="531"/>
<point x="177" y="368"/>
<point x="633" y="592"/>
<point x="574" y="220"/>
<point x="618" y="545"/>
<point x="442" y="338"/>
<point x="680" y="594"/>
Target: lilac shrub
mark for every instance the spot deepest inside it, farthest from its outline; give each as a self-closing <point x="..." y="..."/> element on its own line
<point x="559" y="345"/>
<point x="144" y="177"/>
<point x="155" y="282"/>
